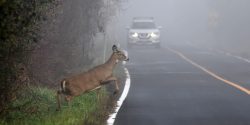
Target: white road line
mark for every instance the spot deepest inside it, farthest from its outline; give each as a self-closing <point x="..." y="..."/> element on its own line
<point x="222" y="52"/>
<point x="112" y="117"/>
<point x="235" y="56"/>
<point x="236" y="85"/>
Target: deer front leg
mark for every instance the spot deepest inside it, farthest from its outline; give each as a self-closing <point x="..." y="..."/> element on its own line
<point x="116" y="81"/>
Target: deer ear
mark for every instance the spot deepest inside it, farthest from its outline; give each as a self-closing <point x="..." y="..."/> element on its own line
<point x="114" y="48"/>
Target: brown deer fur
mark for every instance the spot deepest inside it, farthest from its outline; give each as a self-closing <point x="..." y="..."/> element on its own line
<point x="92" y="79"/>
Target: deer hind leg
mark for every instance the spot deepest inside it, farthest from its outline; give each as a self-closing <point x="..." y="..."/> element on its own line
<point x="58" y="97"/>
<point x="68" y="99"/>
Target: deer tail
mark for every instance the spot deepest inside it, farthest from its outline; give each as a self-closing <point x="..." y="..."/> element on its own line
<point x="63" y="86"/>
<point x="59" y="92"/>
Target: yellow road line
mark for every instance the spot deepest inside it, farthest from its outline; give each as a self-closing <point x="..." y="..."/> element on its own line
<point x="211" y="73"/>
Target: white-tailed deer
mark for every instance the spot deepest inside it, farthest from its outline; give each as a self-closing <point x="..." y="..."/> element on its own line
<point x="92" y="79"/>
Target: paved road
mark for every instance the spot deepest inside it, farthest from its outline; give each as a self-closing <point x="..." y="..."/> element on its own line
<point x="166" y="89"/>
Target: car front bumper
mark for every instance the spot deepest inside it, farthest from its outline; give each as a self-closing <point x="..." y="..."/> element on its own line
<point x="138" y="41"/>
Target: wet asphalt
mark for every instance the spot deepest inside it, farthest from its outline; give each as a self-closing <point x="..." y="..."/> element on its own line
<point x="167" y="90"/>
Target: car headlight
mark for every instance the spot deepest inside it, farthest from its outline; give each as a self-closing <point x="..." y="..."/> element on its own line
<point x="134" y="34"/>
<point x="155" y="34"/>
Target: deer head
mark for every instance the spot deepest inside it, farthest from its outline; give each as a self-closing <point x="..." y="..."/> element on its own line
<point x="120" y="55"/>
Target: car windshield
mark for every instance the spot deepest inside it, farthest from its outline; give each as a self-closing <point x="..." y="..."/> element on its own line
<point x="143" y="25"/>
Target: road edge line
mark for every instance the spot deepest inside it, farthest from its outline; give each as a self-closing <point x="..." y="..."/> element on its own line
<point x="112" y="117"/>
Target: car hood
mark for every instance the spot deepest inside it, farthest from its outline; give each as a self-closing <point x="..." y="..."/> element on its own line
<point x="144" y="30"/>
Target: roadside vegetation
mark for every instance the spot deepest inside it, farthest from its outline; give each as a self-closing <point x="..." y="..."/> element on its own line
<point x="39" y="45"/>
<point x="38" y="107"/>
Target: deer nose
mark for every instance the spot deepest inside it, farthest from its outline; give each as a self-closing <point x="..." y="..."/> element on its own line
<point x="127" y="59"/>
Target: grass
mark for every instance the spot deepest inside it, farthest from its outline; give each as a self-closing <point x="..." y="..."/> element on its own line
<point x="37" y="106"/>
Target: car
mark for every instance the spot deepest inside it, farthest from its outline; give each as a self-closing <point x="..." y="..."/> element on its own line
<point x="143" y="31"/>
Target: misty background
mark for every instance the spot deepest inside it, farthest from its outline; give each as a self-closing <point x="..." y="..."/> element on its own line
<point x="44" y="41"/>
<point x="222" y="24"/>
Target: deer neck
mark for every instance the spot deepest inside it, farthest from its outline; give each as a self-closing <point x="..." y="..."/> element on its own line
<point x="111" y="62"/>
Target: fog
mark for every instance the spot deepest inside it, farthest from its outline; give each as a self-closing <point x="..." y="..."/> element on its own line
<point x="222" y="23"/>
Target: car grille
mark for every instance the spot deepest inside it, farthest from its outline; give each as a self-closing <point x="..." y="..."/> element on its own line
<point x="144" y="35"/>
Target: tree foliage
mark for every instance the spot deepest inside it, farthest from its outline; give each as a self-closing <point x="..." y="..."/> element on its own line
<point x="18" y="27"/>
<point x="45" y="40"/>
